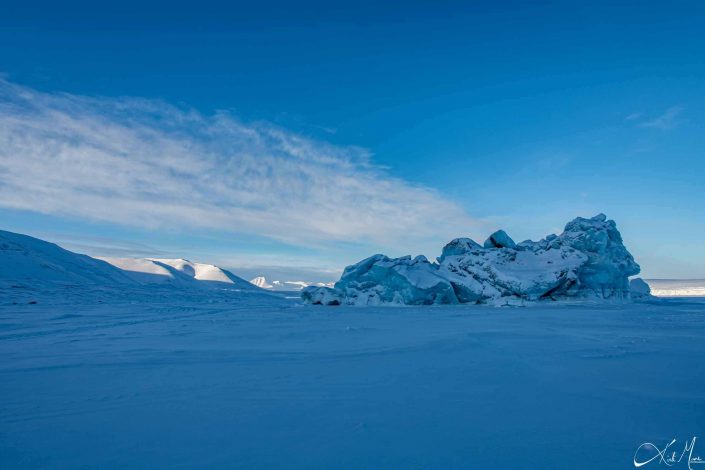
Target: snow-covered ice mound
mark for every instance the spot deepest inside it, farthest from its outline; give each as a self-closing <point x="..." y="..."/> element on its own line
<point x="639" y="289"/>
<point x="587" y="261"/>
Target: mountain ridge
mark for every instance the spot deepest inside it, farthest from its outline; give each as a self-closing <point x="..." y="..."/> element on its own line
<point x="261" y="282"/>
<point x="26" y="259"/>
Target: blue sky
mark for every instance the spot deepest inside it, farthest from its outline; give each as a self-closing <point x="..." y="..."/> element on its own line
<point x="316" y="134"/>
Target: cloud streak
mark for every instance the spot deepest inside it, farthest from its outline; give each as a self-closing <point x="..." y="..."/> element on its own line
<point x="146" y="163"/>
<point x="666" y="121"/>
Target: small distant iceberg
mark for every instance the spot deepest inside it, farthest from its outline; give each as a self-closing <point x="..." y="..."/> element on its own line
<point x="587" y="261"/>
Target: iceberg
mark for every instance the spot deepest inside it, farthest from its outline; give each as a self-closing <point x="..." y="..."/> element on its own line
<point x="321" y="295"/>
<point x="639" y="289"/>
<point x="459" y="246"/>
<point x="381" y="280"/>
<point x="587" y="261"/>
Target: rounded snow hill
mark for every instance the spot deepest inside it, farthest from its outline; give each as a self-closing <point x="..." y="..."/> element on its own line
<point x="205" y="272"/>
<point x="142" y="270"/>
<point x="179" y="272"/>
<point x="29" y="261"/>
<point x="24" y="258"/>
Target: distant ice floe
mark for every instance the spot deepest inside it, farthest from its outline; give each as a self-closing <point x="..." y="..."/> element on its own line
<point x="587" y="261"/>
<point x="677" y="287"/>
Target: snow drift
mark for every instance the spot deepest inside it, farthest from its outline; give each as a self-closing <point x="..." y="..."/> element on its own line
<point x="587" y="261"/>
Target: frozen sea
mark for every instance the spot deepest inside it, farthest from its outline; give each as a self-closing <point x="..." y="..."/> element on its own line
<point x="677" y="287"/>
<point x="251" y="381"/>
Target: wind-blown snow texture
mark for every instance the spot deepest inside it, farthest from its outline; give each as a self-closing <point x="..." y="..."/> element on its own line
<point x="588" y="260"/>
<point x="205" y="379"/>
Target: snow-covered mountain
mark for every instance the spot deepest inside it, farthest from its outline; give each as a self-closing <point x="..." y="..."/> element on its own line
<point x="178" y="272"/>
<point x="29" y="261"/>
<point x="261" y="282"/>
<point x="24" y="258"/>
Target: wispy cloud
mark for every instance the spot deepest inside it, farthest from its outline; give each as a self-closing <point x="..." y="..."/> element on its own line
<point x="666" y="121"/>
<point x="147" y="163"/>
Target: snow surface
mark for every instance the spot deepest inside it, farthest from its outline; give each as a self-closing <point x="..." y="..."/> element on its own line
<point x="164" y="378"/>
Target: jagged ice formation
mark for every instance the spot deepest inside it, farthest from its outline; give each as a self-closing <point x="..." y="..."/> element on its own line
<point x="587" y="261"/>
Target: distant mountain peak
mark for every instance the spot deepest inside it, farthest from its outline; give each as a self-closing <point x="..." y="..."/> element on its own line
<point x="261" y="281"/>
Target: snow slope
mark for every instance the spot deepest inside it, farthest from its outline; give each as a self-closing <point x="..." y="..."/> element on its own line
<point x="192" y="379"/>
<point x="27" y="259"/>
<point x="30" y="262"/>
<point x="178" y="272"/>
<point x="143" y="270"/>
